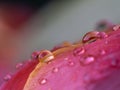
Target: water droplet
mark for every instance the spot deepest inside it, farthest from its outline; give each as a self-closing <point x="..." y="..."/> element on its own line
<point x="66" y="59"/>
<point x="7" y="77"/>
<point x="78" y="51"/>
<point x="102" y="52"/>
<point x="93" y="36"/>
<point x="102" y="35"/>
<point x="49" y="58"/>
<point x="71" y="63"/>
<point x="43" y="81"/>
<point x="55" y="70"/>
<point x="87" y="60"/>
<point x="46" y="55"/>
<point x="19" y="65"/>
<point x="43" y="53"/>
<point x="35" y="55"/>
<point x="117" y="27"/>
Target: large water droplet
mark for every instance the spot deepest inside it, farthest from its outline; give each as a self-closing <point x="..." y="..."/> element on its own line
<point x="19" y="65"/>
<point x="42" y="81"/>
<point x="55" y="70"/>
<point x="7" y="77"/>
<point x="43" y="54"/>
<point x="93" y="36"/>
<point x="87" y="60"/>
<point x="78" y="51"/>
<point x="117" y="27"/>
<point x="46" y="55"/>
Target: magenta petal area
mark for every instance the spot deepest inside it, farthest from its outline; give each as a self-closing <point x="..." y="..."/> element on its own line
<point x="93" y="65"/>
<point x="18" y="80"/>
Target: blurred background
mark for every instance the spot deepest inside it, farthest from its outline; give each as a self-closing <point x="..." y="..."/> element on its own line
<point x="30" y="25"/>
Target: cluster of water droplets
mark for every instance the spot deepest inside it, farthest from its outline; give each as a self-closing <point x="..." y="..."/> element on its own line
<point x="87" y="59"/>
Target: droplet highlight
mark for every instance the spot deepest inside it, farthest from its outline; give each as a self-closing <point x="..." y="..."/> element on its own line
<point x="66" y="58"/>
<point x="102" y="52"/>
<point x="55" y="70"/>
<point x="7" y="77"/>
<point x="19" y="65"/>
<point x="43" y="81"/>
<point x="45" y="56"/>
<point x="70" y="63"/>
<point x="35" y="55"/>
<point x="78" y="51"/>
<point x="117" y="27"/>
<point x="87" y="60"/>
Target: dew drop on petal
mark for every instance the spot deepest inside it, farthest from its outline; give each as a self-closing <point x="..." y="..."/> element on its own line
<point x="90" y="36"/>
<point x="117" y="27"/>
<point x="35" y="55"/>
<point x="42" y="81"/>
<point x="19" y="65"/>
<point x="43" y="54"/>
<point x="7" y="77"/>
<point x="78" y="51"/>
<point x="102" y="35"/>
<point x="55" y="70"/>
<point x="66" y="59"/>
<point x="87" y="60"/>
<point x="102" y="52"/>
<point x="71" y="63"/>
<point x="93" y="36"/>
